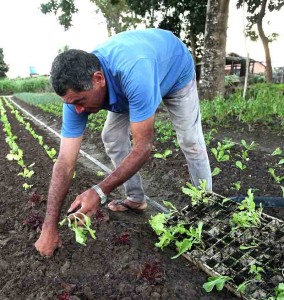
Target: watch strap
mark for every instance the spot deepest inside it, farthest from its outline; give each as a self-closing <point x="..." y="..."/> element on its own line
<point x="101" y="194"/>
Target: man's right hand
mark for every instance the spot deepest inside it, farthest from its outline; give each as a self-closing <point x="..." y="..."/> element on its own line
<point x="48" y="241"/>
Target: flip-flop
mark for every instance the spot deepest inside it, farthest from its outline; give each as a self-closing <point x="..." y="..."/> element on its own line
<point x="141" y="208"/>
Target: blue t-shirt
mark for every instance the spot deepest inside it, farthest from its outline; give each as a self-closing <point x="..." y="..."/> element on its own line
<point x="140" y="67"/>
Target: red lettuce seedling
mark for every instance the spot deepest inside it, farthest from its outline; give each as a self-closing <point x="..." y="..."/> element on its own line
<point x="34" y="199"/>
<point x="101" y="216"/>
<point x="122" y="239"/>
<point x="34" y="221"/>
<point x="151" y="272"/>
<point x="64" y="296"/>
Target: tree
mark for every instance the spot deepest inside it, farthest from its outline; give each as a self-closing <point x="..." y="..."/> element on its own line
<point x="116" y="13"/>
<point x="3" y="66"/>
<point x="185" y="18"/>
<point x="257" y="10"/>
<point x="212" y="82"/>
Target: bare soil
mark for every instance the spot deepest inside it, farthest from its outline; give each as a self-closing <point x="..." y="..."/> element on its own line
<point x="123" y="262"/>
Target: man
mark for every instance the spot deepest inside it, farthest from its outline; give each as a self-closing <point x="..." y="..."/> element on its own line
<point x="128" y="75"/>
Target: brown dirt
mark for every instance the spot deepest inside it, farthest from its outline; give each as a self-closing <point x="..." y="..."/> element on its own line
<point x="105" y="269"/>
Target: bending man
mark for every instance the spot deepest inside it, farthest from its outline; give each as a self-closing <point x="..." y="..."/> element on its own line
<point x="129" y="75"/>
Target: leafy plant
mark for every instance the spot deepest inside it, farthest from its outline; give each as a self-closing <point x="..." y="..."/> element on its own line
<point x="237" y="185"/>
<point x="100" y="173"/>
<point x="216" y="171"/>
<point x="240" y="165"/>
<point x="164" y="155"/>
<point x="279" y="292"/>
<point x="221" y="153"/>
<point x="80" y="231"/>
<point x="184" y="238"/>
<point x="243" y="286"/>
<point x="216" y="281"/>
<point x="27" y="186"/>
<point x="246" y="247"/>
<point x="26" y="173"/>
<point x="151" y="272"/>
<point x="248" y="215"/>
<point x="256" y="271"/>
<point x="277" y="179"/>
<point x="194" y="237"/>
<point x="197" y="194"/>
<point x="277" y="151"/>
<point x="250" y="146"/>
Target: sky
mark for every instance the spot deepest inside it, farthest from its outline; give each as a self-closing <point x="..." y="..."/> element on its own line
<point x="30" y="38"/>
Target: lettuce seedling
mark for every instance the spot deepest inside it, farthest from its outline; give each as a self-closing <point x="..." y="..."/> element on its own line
<point x="80" y="231"/>
<point x="216" y="281"/>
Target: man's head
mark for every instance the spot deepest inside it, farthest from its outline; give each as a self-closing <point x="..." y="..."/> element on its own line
<point x="78" y="78"/>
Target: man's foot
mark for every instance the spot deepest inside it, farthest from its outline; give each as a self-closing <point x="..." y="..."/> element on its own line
<point x="123" y="205"/>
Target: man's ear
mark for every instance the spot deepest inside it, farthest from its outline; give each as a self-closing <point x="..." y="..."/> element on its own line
<point x="98" y="79"/>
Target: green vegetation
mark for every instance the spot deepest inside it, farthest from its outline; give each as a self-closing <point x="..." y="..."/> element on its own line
<point x="216" y="281"/>
<point x="28" y="85"/>
<point x="264" y="105"/>
<point x="248" y="216"/>
<point x="81" y="229"/>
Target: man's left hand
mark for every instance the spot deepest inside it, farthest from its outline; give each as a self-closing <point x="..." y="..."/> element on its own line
<point x="88" y="203"/>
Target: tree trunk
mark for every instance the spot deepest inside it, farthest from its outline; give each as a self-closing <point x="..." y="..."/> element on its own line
<point x="212" y="82"/>
<point x="193" y="45"/>
<point x="265" y="41"/>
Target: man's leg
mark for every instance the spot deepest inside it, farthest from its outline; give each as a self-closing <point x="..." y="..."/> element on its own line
<point x="184" y="110"/>
<point x="116" y="139"/>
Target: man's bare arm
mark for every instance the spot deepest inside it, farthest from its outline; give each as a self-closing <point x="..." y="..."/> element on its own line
<point x="62" y="174"/>
<point x="61" y="178"/>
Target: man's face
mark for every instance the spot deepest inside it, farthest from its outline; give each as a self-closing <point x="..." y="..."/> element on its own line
<point x="90" y="101"/>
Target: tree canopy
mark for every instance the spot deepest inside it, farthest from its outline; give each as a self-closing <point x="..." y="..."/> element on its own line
<point x="257" y="10"/>
<point x="3" y="66"/>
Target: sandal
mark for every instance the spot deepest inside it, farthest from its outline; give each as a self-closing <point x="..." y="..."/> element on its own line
<point x="120" y="205"/>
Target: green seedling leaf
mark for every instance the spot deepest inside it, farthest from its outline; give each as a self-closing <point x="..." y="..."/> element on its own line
<point x="243" y="286"/>
<point x="277" y="151"/>
<point x="240" y="165"/>
<point x="100" y="174"/>
<point x="27" y="186"/>
<point x="157" y="222"/>
<point x="80" y="231"/>
<point x="216" y="281"/>
<point x="169" y="204"/>
<point x="183" y="246"/>
<point x="216" y="171"/>
<point x="158" y="155"/>
<point x="281" y="162"/>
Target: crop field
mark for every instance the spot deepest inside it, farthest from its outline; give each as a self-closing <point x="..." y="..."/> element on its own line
<point x="150" y="255"/>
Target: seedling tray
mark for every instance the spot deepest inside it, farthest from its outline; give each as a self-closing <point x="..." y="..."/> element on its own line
<point x="220" y="252"/>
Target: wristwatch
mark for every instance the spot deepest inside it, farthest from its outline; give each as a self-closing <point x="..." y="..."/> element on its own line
<point x="101" y="194"/>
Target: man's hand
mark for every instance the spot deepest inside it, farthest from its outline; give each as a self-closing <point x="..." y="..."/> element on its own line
<point x="88" y="203"/>
<point x="48" y="241"/>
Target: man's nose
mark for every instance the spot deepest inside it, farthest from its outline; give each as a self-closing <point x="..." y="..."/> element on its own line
<point x="79" y="109"/>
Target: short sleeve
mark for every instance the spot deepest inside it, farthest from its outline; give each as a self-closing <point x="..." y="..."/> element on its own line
<point x="73" y="124"/>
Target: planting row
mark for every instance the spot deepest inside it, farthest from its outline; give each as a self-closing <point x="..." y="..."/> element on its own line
<point x="123" y="253"/>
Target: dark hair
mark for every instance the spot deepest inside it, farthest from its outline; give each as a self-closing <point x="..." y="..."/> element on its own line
<point x="73" y="69"/>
